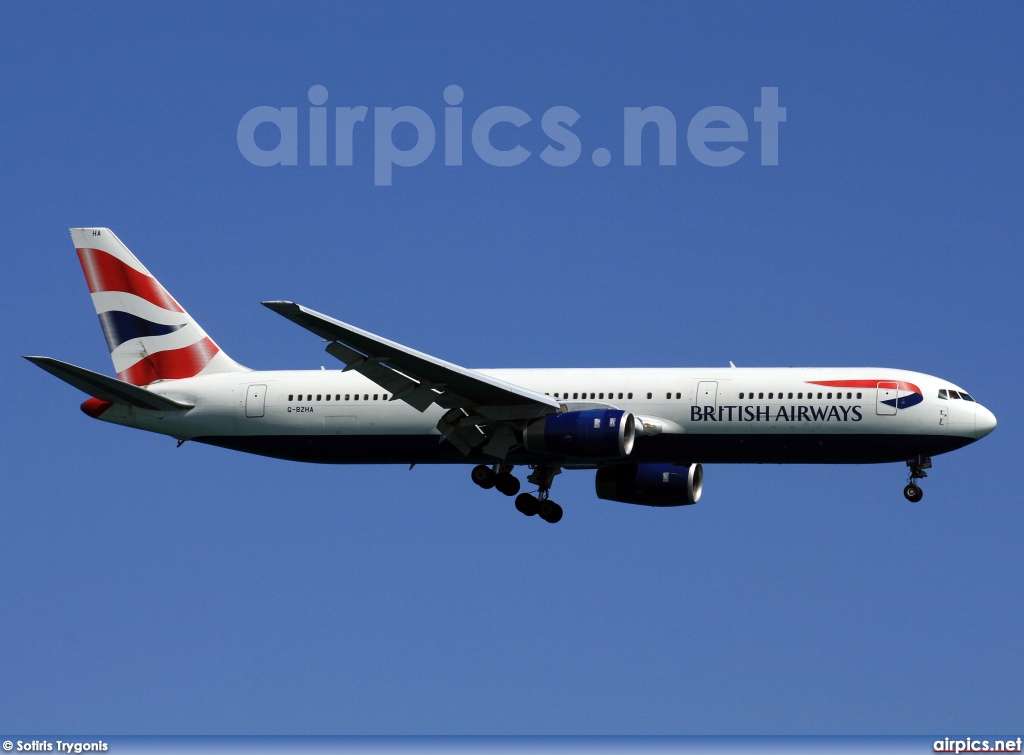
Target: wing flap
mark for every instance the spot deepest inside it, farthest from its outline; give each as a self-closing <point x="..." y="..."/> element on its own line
<point x="401" y="387"/>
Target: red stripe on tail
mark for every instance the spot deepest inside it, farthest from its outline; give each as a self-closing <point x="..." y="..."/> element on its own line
<point x="172" y="364"/>
<point x="105" y="272"/>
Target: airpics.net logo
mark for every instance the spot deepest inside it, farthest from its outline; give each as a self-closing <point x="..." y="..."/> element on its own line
<point x="712" y="134"/>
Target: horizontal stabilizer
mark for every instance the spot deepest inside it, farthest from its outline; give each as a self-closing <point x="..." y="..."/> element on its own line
<point x="107" y="388"/>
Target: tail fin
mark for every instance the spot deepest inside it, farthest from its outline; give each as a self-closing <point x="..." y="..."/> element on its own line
<point x="149" y="334"/>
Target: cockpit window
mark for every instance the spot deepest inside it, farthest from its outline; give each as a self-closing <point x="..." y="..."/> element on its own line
<point x="942" y="393"/>
<point x="965" y="397"/>
<point x="954" y="394"/>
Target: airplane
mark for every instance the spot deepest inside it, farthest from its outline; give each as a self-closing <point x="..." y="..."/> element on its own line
<point x="646" y="432"/>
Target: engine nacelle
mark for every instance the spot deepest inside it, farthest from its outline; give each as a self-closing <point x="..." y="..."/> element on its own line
<point x="651" y="484"/>
<point x="589" y="434"/>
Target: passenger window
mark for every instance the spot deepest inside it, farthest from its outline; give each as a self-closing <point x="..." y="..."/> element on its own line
<point x="829" y="395"/>
<point x="347" y="397"/>
<point x="741" y="394"/>
<point x="620" y="395"/>
<point x="355" y="397"/>
<point x="668" y="395"/>
<point x="291" y="396"/>
<point x="849" y="395"/>
<point x="790" y="395"/>
<point x="591" y="395"/>
<point x="366" y="397"/>
<point x="858" y="395"/>
<point x="328" y="397"/>
<point x="375" y="397"/>
<point x="337" y="397"/>
<point x="575" y="395"/>
<point x="679" y="395"/>
<point x="318" y="397"/>
<point x="760" y="395"/>
<point x="771" y="396"/>
<point x="629" y="396"/>
<point x="800" y="395"/>
<point x="309" y="397"/>
<point x="942" y="393"/>
<point x="819" y="395"/>
<point x="649" y="395"/>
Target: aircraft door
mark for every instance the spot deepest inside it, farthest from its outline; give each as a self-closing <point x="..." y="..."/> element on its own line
<point x="707" y="394"/>
<point x="255" y="399"/>
<point x="887" y="396"/>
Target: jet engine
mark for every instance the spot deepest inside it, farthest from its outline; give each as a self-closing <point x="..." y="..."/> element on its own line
<point x="588" y="434"/>
<point x="651" y="484"/>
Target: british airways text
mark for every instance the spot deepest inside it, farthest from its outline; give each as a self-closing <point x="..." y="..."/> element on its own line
<point x="836" y="413"/>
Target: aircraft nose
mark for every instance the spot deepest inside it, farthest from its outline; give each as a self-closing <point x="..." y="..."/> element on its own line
<point x="984" y="422"/>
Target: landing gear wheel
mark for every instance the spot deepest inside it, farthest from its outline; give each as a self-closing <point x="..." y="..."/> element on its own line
<point x="913" y="493"/>
<point x="527" y="504"/>
<point x="506" y="483"/>
<point x="550" y="512"/>
<point x="483" y="476"/>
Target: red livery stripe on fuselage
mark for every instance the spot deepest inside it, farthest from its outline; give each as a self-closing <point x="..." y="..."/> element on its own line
<point x="900" y="384"/>
<point x="105" y="272"/>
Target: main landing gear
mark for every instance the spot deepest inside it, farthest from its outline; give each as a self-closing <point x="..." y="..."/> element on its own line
<point x="500" y="476"/>
<point x="540" y="504"/>
<point x="912" y="492"/>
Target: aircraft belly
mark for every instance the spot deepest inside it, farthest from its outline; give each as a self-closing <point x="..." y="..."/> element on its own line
<point x="730" y="448"/>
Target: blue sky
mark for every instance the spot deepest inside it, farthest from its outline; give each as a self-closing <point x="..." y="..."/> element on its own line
<point x="148" y="589"/>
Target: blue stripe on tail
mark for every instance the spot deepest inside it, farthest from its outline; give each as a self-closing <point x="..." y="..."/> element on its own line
<point x="119" y="327"/>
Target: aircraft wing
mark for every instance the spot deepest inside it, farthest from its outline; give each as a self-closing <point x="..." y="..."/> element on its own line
<point x="474" y="400"/>
<point x="106" y="388"/>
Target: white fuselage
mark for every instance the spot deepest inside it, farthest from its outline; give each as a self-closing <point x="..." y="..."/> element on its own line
<point x="773" y="415"/>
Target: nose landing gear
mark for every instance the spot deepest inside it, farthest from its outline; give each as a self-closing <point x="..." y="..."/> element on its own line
<point x="912" y="492"/>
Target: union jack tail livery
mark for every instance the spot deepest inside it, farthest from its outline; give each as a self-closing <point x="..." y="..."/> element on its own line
<point x="150" y="336"/>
